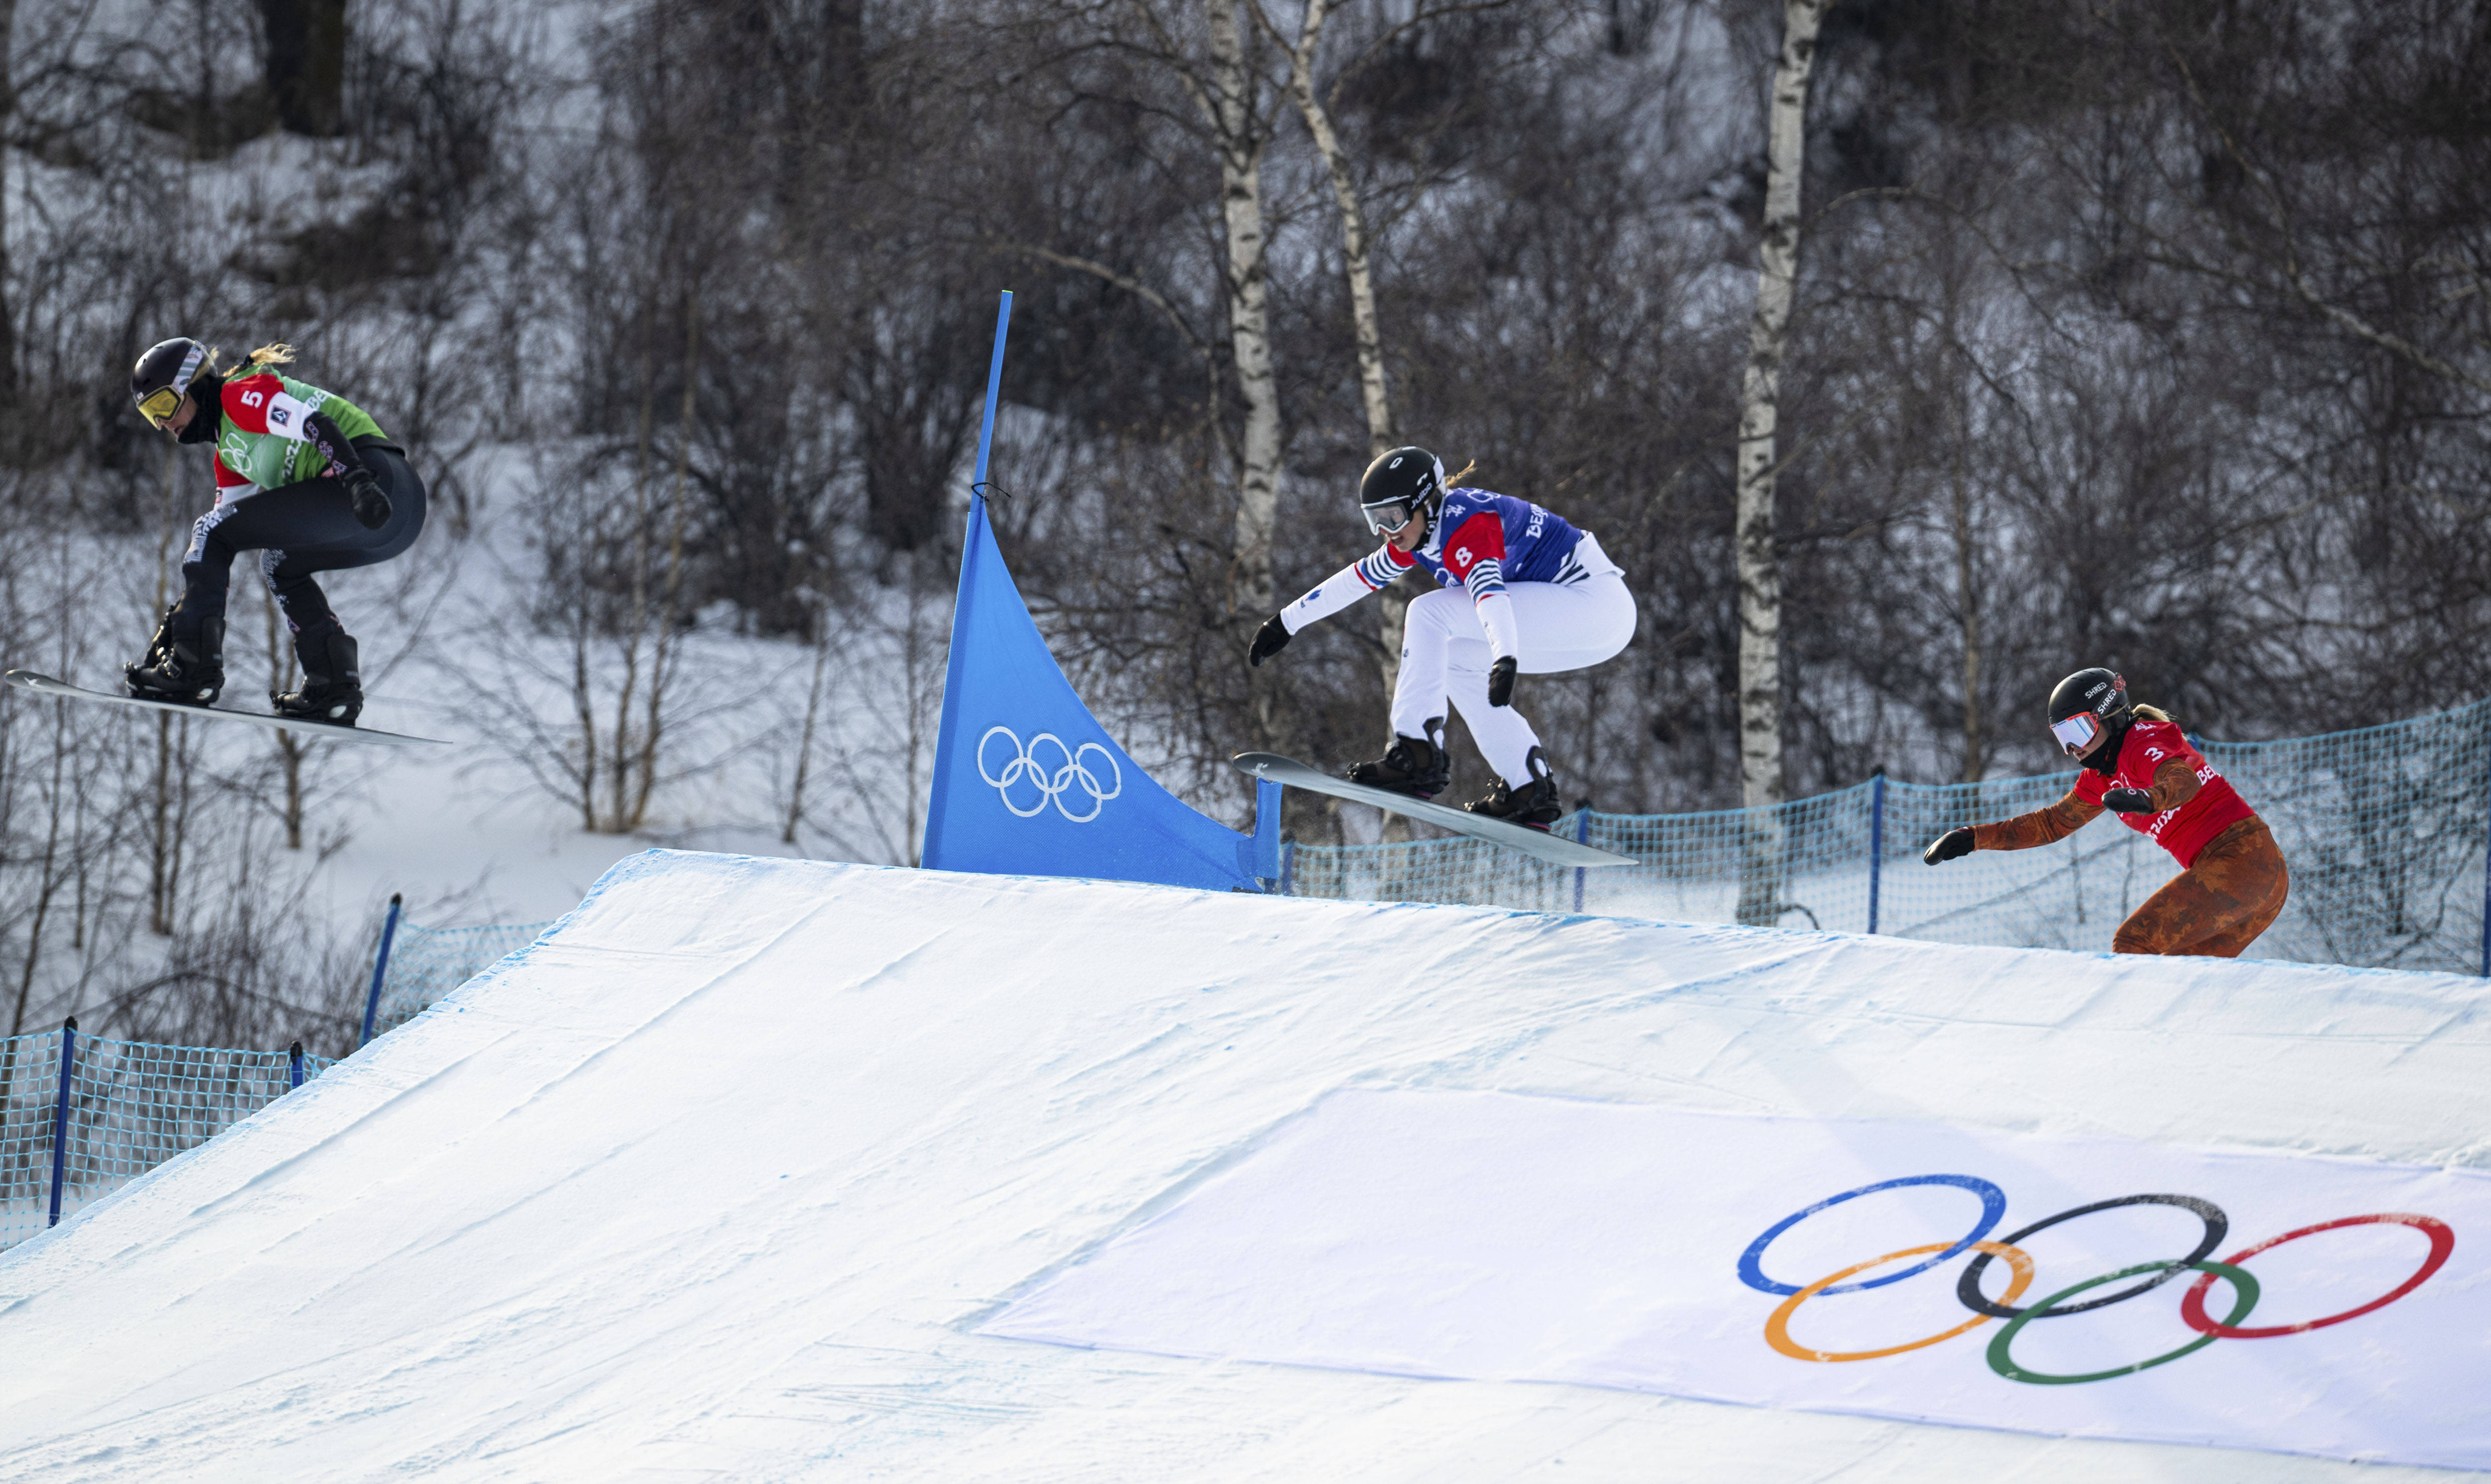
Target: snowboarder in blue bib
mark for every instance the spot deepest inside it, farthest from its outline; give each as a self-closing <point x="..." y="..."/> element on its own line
<point x="305" y="477"/>
<point x="1520" y="593"/>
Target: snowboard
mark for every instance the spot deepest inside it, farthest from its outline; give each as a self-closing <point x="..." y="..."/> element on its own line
<point x="45" y="686"/>
<point x="1556" y="850"/>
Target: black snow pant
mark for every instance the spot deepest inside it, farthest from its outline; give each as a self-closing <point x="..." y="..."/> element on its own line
<point x="299" y="530"/>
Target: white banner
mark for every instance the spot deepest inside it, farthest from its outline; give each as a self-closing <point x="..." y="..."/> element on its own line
<point x="2334" y="1307"/>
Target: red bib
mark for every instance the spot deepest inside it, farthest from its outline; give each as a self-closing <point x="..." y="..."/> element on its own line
<point x="2183" y="831"/>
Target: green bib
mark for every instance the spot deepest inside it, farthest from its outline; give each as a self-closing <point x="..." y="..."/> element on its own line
<point x="269" y="461"/>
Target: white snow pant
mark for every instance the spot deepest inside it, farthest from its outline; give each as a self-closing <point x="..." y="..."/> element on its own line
<point x="1445" y="655"/>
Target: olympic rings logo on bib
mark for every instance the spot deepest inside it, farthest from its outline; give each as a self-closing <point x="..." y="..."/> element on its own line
<point x="1075" y="776"/>
<point x="2020" y="1274"/>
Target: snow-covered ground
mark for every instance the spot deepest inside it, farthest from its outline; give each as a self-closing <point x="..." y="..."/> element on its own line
<point x="738" y="1174"/>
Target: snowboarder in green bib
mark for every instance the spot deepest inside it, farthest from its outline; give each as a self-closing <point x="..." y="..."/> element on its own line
<point x="305" y="477"/>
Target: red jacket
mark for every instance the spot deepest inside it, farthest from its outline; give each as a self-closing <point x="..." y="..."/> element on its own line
<point x="2185" y="830"/>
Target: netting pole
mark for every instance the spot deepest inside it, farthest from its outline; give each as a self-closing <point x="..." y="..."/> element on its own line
<point x="380" y="968"/>
<point x="61" y="1115"/>
<point x="2486" y="916"/>
<point x="1288" y="865"/>
<point x="1582" y="837"/>
<point x="1876" y="838"/>
<point x="294" y="1065"/>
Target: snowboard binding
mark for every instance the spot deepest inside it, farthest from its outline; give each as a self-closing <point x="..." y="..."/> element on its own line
<point x="1416" y="765"/>
<point x="186" y="669"/>
<point x="1535" y="804"/>
<point x="332" y="689"/>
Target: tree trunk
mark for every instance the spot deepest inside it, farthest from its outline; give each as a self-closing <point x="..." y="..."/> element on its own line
<point x="1760" y="597"/>
<point x="812" y="717"/>
<point x="1760" y="740"/>
<point x="289" y="747"/>
<point x="619" y="765"/>
<point x="48" y="883"/>
<point x="8" y="314"/>
<point x="1240" y="139"/>
<point x="1357" y="266"/>
<point x="662" y="655"/>
<point x="307" y="65"/>
<point x="1967" y="596"/>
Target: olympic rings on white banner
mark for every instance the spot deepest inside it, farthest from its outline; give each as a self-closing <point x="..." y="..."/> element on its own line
<point x="1993" y="1206"/>
<point x="1025" y="766"/>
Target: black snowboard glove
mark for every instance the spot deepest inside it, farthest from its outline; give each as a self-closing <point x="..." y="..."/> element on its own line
<point x="2129" y="800"/>
<point x="371" y="506"/>
<point x="1268" y="640"/>
<point x="1948" y="845"/>
<point x="1500" y="682"/>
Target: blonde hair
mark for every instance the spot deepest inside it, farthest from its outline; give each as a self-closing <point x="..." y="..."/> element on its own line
<point x="273" y="353"/>
<point x="2151" y="713"/>
<point x="1453" y="480"/>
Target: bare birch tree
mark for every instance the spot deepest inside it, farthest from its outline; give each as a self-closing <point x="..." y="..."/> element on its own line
<point x="8" y="118"/>
<point x="1356" y="267"/>
<point x="1227" y="90"/>
<point x="1759" y="558"/>
<point x="1356" y="247"/>
<point x="1760" y="595"/>
<point x="1242" y="134"/>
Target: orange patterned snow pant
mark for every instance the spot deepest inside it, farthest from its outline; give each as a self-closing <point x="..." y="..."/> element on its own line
<point x="2218" y="906"/>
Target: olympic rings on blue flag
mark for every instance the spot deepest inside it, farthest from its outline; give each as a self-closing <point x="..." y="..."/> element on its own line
<point x="1993" y="1202"/>
<point x="1051" y="783"/>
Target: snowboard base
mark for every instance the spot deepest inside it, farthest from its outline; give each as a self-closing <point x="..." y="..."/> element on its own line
<point x="45" y="686"/>
<point x="1539" y="844"/>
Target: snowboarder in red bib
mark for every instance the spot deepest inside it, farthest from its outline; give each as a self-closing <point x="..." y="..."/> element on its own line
<point x="2139" y="766"/>
<point x="1521" y="593"/>
<point x="305" y="477"/>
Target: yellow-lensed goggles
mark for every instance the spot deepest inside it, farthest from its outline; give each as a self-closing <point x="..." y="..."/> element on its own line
<point x="158" y="405"/>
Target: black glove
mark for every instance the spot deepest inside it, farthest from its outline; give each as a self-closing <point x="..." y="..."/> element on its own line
<point x="1948" y="845"/>
<point x="2129" y="800"/>
<point x="1500" y="682"/>
<point x="1268" y="640"/>
<point x="371" y="506"/>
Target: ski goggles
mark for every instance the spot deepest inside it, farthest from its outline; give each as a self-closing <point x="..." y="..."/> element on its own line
<point x="159" y="404"/>
<point x="2077" y="732"/>
<point x="1389" y="516"/>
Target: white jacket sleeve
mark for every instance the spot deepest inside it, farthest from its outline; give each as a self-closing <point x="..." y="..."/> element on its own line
<point x="1344" y="588"/>
<point x="1496" y="616"/>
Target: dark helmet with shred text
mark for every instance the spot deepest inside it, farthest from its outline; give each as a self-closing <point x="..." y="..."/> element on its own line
<point x="169" y="369"/>
<point x="163" y="374"/>
<point x="1402" y="483"/>
<point x="2084" y="706"/>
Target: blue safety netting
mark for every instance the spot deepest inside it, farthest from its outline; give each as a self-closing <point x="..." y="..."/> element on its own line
<point x="2385" y="832"/>
<point x="426" y="963"/>
<point x="131" y="1107"/>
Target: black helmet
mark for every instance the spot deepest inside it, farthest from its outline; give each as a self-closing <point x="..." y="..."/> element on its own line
<point x="2084" y="706"/>
<point x="1407" y="481"/>
<point x="163" y="374"/>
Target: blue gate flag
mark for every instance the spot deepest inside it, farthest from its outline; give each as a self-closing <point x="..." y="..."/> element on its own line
<point x="1026" y="782"/>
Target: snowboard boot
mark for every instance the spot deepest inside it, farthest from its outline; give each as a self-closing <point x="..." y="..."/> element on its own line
<point x="185" y="662"/>
<point x="333" y="689"/>
<point x="1416" y="765"/>
<point x="1534" y="804"/>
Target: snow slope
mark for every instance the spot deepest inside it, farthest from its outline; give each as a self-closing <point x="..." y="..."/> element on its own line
<point x="725" y="1177"/>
